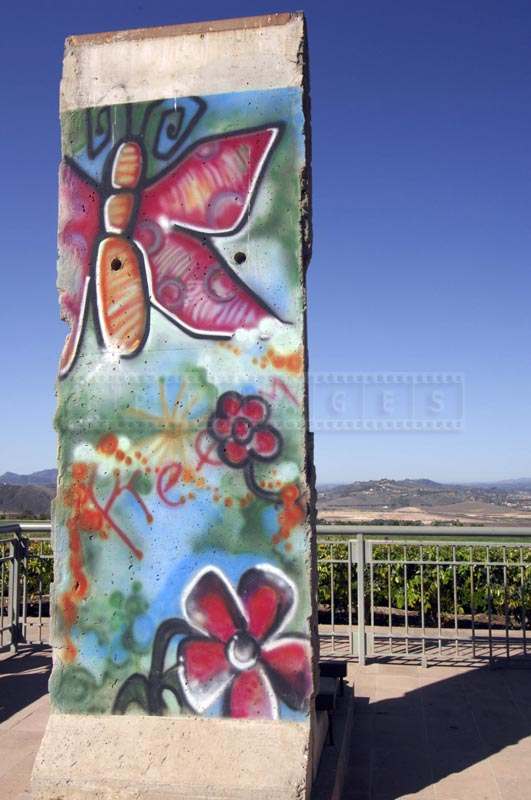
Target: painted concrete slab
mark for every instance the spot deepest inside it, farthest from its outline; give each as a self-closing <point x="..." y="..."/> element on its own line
<point x="183" y="602"/>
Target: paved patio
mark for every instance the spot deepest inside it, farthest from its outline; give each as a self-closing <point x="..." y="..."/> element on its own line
<point x="440" y="733"/>
<point x="24" y="710"/>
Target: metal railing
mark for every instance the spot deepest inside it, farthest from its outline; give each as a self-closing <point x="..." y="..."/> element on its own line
<point x="431" y="594"/>
<point x="26" y="573"/>
<point x="427" y="593"/>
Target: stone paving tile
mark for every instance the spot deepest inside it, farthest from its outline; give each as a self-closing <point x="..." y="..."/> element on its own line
<point x="358" y="785"/>
<point x="440" y="733"/>
<point x="511" y="768"/>
<point x="16" y="784"/>
<point x="472" y="784"/>
<point x="498" y="720"/>
<point x="520" y="689"/>
<point x="401" y="670"/>
<point x="436" y="674"/>
<point x="404" y="682"/>
<point x="516" y="787"/>
<point x="449" y="723"/>
<point x="391" y="731"/>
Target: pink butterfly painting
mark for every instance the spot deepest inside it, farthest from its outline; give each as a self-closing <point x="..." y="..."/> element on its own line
<point x="131" y="243"/>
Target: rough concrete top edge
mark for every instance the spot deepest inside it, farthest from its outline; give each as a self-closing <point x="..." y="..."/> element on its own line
<point x="184" y="29"/>
<point x="224" y="56"/>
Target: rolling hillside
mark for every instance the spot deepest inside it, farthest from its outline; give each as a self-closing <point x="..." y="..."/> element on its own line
<point x="26" y="501"/>
<point x="423" y="500"/>
<point x="27" y="495"/>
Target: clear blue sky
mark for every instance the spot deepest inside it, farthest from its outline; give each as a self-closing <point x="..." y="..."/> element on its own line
<point x="422" y="216"/>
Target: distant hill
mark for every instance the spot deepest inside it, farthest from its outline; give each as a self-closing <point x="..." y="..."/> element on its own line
<point x="27" y="495"/>
<point x="44" y="477"/>
<point x="423" y="499"/>
<point x="26" y="501"/>
<point x="390" y="494"/>
<point x="511" y="484"/>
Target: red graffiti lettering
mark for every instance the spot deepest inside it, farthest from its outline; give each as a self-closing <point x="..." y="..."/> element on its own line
<point x="277" y="384"/>
<point x="204" y="447"/>
<point x="169" y="477"/>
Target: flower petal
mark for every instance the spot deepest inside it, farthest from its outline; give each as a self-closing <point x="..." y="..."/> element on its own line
<point x="203" y="670"/>
<point x="211" y="606"/>
<point x="220" y="428"/>
<point x="266" y="443"/>
<point x="229" y="404"/>
<point x="255" y="408"/>
<point x="233" y="453"/>
<point x="251" y="696"/>
<point x="268" y="597"/>
<point x="288" y="664"/>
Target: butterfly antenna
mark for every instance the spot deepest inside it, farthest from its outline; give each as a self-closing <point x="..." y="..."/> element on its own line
<point x="150" y="108"/>
<point x="128" y="121"/>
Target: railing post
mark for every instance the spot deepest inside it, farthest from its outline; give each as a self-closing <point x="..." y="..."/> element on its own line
<point x="11" y="605"/>
<point x="361" y="598"/>
<point x="349" y="598"/>
<point x="13" y="602"/>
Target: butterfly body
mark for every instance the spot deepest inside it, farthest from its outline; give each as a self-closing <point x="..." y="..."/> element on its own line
<point x="139" y="243"/>
<point x="120" y="270"/>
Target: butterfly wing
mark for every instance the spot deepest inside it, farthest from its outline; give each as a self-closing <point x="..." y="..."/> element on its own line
<point x="194" y="288"/>
<point x="79" y="209"/>
<point x="212" y="186"/>
<point x="209" y="191"/>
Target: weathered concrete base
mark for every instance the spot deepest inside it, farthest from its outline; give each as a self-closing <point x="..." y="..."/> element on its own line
<point x="165" y="758"/>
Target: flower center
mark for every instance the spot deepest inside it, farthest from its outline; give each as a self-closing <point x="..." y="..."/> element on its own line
<point x="242" y="651"/>
<point x="241" y="430"/>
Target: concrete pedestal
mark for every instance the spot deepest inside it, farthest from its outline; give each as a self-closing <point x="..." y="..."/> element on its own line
<point x="154" y="758"/>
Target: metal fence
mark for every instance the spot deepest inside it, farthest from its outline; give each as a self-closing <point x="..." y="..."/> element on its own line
<point x="26" y="573"/>
<point x="427" y="593"/>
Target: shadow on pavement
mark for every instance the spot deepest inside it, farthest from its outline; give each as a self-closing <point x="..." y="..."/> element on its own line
<point x="23" y="679"/>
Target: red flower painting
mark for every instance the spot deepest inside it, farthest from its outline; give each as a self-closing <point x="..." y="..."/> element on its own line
<point x="237" y="650"/>
<point x="240" y="427"/>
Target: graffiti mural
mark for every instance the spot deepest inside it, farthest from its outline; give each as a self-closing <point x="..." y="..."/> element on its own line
<point x="181" y="524"/>
<point x="142" y="243"/>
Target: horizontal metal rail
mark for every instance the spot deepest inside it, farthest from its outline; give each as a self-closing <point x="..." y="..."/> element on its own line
<point x="23" y="528"/>
<point x="455" y="531"/>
